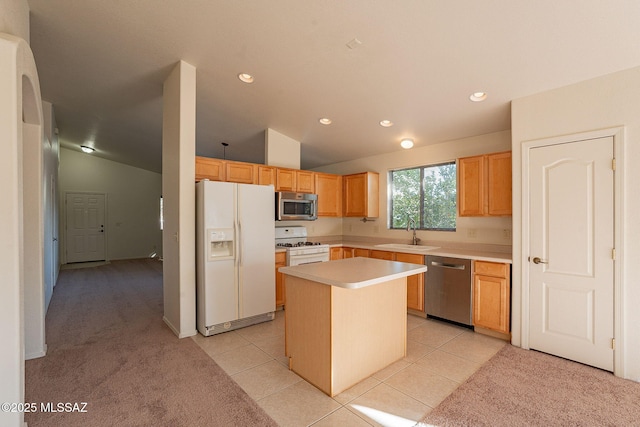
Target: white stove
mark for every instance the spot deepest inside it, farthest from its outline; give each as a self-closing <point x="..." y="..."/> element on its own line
<point x="299" y="250"/>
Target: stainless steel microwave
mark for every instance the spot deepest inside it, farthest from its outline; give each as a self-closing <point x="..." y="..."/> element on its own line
<point x="296" y="206"/>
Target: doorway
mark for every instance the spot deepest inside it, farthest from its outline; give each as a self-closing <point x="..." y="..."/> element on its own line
<point x="571" y="263"/>
<point x="85" y="227"/>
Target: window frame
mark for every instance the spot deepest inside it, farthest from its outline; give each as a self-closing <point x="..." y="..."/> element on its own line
<point x="421" y="169"/>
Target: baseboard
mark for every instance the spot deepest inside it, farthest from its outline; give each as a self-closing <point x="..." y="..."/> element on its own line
<point x="170" y="325"/>
<point x="175" y="330"/>
<point x="417" y="313"/>
<point x="188" y="334"/>
<point x="37" y="354"/>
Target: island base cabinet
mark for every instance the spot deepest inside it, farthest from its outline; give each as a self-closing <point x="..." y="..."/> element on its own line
<point x="336" y="337"/>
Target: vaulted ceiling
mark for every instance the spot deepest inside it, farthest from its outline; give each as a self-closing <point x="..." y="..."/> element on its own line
<point x="413" y="62"/>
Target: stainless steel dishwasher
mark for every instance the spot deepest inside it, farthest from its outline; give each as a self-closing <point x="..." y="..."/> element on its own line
<point x="447" y="292"/>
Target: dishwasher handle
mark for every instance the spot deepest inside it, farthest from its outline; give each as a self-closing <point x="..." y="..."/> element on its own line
<point x="447" y="265"/>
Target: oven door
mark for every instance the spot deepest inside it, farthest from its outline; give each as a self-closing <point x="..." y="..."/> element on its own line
<point x="293" y="259"/>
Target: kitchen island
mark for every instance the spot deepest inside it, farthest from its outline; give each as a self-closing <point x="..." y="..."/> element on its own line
<point x="345" y="319"/>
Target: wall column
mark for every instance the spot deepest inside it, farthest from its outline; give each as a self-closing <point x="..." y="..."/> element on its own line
<point x="178" y="192"/>
<point x="21" y="289"/>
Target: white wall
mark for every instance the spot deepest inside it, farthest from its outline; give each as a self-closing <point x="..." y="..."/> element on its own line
<point x="50" y="163"/>
<point x="20" y="107"/>
<point x="488" y="230"/>
<point x="14" y="18"/>
<point x="281" y="150"/>
<point x="133" y="202"/>
<point x="605" y="102"/>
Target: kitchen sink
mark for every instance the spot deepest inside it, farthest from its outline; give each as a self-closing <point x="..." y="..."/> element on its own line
<point x="417" y="248"/>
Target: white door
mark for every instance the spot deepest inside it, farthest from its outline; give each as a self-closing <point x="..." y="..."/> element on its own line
<point x="85" y="227"/>
<point x="571" y="267"/>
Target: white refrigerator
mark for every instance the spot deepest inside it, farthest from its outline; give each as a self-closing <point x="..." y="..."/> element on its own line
<point x="235" y="275"/>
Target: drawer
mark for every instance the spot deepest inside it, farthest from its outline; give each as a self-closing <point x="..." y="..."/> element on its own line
<point x="495" y="269"/>
<point x="412" y="258"/>
<point x="381" y="255"/>
<point x="281" y="257"/>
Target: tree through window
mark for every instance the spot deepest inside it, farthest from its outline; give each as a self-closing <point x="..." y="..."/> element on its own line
<point x="426" y="194"/>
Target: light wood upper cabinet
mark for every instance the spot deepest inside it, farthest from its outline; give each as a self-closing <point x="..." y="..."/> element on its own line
<point x="329" y="190"/>
<point x="211" y="169"/>
<point x="285" y="179"/>
<point x="360" y="195"/>
<point x="499" y="183"/>
<point x="305" y="182"/>
<point x="265" y="175"/>
<point x="484" y="185"/>
<point x="491" y="296"/>
<point x="471" y="186"/>
<point x="239" y="172"/>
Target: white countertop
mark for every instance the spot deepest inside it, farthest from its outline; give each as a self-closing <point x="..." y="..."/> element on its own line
<point x="478" y="255"/>
<point x="354" y="273"/>
<point x="473" y="254"/>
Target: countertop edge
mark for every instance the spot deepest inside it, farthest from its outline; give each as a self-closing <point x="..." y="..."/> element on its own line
<point x="296" y="272"/>
<point x="443" y="251"/>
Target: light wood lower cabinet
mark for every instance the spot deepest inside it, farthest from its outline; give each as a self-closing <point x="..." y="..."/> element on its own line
<point x="347" y="252"/>
<point x="281" y="261"/>
<point x="415" y="283"/>
<point x="389" y="256"/>
<point x="491" y="296"/>
<point x="361" y="252"/>
<point x="335" y="253"/>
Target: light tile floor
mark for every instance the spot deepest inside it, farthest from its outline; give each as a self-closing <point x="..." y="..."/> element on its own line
<point x="439" y="358"/>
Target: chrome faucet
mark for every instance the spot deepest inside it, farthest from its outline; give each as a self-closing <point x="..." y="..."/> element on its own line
<point x="410" y="221"/>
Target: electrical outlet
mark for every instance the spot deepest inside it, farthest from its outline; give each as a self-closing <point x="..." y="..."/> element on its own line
<point x="376" y="229"/>
<point x="506" y="234"/>
<point x="350" y="228"/>
<point x="472" y="233"/>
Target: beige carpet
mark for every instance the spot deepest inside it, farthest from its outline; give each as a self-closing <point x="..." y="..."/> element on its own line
<point x="108" y="347"/>
<point x="519" y="387"/>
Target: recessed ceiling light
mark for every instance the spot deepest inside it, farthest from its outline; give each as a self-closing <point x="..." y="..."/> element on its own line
<point x="406" y="143"/>
<point x="325" y="121"/>
<point x="386" y="123"/>
<point x="87" y="149"/>
<point x="247" y="78"/>
<point x="478" y="96"/>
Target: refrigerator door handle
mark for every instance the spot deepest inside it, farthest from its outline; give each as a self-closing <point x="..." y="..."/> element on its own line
<point x="239" y="238"/>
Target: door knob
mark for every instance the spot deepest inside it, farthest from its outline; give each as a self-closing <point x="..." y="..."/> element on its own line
<point x="537" y="260"/>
